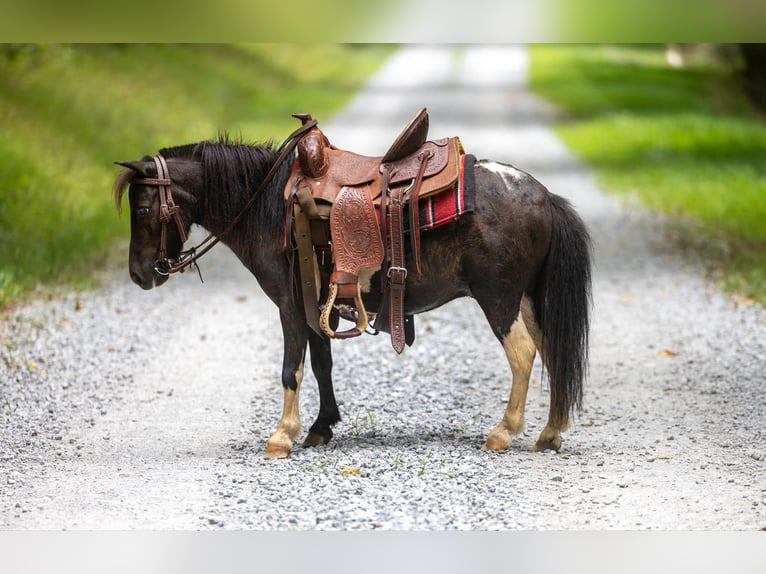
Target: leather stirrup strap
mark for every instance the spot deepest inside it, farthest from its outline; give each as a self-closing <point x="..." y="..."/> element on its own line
<point x="397" y="272"/>
<point x="424" y="156"/>
<point x="386" y="174"/>
<point x="308" y="269"/>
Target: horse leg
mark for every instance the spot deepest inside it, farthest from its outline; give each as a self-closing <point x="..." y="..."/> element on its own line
<point x="550" y="437"/>
<point x="520" y="351"/>
<point x="502" y="312"/>
<point x="294" y="333"/>
<point x="321" y="364"/>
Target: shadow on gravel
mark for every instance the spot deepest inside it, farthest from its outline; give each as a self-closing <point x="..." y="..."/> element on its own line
<point x="392" y="442"/>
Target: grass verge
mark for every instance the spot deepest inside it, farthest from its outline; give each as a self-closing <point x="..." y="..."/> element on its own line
<point x="685" y="141"/>
<point x="68" y="111"/>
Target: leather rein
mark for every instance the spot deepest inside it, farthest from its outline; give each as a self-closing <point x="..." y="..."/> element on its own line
<point x="170" y="211"/>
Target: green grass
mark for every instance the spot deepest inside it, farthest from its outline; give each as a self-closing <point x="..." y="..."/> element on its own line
<point x="67" y="112"/>
<point x="685" y="141"/>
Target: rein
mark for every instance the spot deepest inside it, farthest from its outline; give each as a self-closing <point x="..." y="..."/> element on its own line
<point x="169" y="210"/>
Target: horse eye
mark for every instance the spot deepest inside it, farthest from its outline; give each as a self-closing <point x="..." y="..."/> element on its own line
<point x="142" y="211"/>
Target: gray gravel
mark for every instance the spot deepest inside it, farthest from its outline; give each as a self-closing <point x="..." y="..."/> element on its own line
<point x="128" y="409"/>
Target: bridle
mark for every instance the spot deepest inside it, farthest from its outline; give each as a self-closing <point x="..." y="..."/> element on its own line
<point x="170" y="211"/>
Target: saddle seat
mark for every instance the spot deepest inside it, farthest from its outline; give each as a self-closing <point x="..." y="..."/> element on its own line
<point x="363" y="198"/>
<point x="327" y="169"/>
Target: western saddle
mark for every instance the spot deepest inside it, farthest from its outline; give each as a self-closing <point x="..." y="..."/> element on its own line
<point x="346" y="213"/>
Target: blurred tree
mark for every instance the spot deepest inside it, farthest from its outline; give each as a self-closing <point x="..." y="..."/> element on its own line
<point x="11" y="51"/>
<point x="754" y="72"/>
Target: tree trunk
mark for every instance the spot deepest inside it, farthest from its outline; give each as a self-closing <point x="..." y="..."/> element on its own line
<point x="754" y="72"/>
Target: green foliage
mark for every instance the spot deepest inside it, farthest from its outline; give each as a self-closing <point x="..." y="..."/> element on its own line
<point x="68" y="111"/>
<point x="685" y="141"/>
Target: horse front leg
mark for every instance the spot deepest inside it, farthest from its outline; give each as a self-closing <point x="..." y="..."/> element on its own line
<point x="321" y="364"/>
<point x="294" y="333"/>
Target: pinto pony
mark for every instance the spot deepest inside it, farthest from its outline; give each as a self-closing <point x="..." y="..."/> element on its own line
<point x="522" y="253"/>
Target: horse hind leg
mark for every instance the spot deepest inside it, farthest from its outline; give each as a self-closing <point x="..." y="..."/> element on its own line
<point x="520" y="351"/>
<point x="550" y="437"/>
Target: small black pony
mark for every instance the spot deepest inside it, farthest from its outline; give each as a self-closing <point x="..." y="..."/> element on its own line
<point x="523" y="254"/>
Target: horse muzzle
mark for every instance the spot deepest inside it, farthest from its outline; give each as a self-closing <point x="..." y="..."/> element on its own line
<point x="148" y="280"/>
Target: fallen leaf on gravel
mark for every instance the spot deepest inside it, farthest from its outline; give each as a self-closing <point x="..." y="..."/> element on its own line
<point x="741" y="300"/>
<point x="351" y="470"/>
<point x="664" y="458"/>
<point x="667" y="353"/>
<point x="63" y="323"/>
<point x="685" y="386"/>
<point x="31" y="365"/>
<point x="587" y="424"/>
<point x="629" y="297"/>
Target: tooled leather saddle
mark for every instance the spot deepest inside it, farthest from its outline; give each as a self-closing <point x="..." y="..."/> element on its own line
<point x="345" y="214"/>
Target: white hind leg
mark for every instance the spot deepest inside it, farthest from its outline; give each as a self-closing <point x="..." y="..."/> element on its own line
<point x="520" y="351"/>
<point x="550" y="437"/>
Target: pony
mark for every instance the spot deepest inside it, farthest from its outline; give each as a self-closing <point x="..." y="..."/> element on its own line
<point x="523" y="254"/>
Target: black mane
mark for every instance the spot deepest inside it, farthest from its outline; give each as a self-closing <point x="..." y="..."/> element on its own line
<point x="233" y="171"/>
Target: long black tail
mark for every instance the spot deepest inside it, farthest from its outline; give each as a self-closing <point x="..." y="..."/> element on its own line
<point x="562" y="307"/>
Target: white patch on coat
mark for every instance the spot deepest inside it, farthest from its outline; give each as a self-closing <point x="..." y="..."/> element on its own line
<point x="509" y="173"/>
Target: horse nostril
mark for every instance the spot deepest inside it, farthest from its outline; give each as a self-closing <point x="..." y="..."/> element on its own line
<point x="136" y="278"/>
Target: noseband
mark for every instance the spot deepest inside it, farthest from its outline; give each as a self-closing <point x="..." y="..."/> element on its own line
<point x="169" y="210"/>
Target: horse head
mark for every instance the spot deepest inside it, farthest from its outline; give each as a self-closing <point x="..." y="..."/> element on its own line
<point x="161" y="213"/>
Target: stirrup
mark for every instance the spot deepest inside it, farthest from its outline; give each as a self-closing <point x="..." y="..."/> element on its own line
<point x="361" y="315"/>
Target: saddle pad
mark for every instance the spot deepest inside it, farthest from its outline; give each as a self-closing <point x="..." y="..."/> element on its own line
<point x="448" y="205"/>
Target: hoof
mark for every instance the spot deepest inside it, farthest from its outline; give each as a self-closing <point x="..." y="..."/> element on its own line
<point x="278" y="447"/>
<point x="548" y="443"/>
<point x="276" y="452"/>
<point x="315" y="439"/>
<point x="497" y="440"/>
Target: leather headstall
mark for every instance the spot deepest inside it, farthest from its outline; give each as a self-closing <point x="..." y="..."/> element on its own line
<point x="169" y="210"/>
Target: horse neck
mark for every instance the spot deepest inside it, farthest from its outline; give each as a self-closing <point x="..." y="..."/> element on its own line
<point x="232" y="173"/>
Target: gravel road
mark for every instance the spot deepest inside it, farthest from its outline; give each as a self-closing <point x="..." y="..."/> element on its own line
<point x="124" y="409"/>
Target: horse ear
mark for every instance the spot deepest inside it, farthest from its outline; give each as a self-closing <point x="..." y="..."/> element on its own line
<point x="145" y="168"/>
